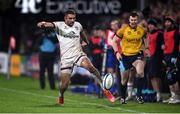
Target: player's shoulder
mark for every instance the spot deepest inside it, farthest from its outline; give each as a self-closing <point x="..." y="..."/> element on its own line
<point x="77" y="23"/>
<point x="121" y="30"/>
<point x="124" y="26"/>
<point x="141" y="28"/>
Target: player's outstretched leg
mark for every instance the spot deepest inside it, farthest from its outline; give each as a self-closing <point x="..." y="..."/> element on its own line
<point x="88" y="65"/>
<point x="64" y="82"/>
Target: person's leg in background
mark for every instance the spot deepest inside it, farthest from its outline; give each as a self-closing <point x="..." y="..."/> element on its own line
<point x="175" y="88"/>
<point x="124" y="65"/>
<point x="178" y="66"/>
<point x="111" y="68"/>
<point x="42" y="63"/>
<point x="139" y="66"/>
<point x="154" y="74"/>
<point x="172" y="80"/>
<point x="156" y="83"/>
<point x="123" y="85"/>
<point x="50" y="70"/>
<point x="130" y="84"/>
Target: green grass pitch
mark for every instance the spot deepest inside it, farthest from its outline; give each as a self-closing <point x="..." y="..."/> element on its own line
<point x="22" y="95"/>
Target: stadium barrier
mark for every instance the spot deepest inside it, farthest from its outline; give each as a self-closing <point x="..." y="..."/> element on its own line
<point x="22" y="65"/>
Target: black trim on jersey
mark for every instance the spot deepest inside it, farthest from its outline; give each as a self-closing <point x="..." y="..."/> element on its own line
<point x="53" y="25"/>
<point x="66" y="68"/>
<point x="118" y="36"/>
<point x="78" y="59"/>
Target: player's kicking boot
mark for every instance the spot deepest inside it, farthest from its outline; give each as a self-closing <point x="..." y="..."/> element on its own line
<point x="60" y="100"/>
<point x="109" y="95"/>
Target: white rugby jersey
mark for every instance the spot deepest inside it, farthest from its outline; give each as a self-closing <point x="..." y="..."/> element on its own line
<point x="69" y="39"/>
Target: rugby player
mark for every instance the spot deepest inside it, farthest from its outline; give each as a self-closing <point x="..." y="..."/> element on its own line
<point x="69" y="33"/>
<point x="131" y="37"/>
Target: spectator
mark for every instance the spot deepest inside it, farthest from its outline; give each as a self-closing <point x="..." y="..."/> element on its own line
<point x="155" y="44"/>
<point x="96" y="46"/>
<point x="171" y="37"/>
<point x="47" y="56"/>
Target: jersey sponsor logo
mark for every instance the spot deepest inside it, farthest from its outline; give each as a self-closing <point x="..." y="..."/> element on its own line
<point x="133" y="40"/>
<point x="60" y="6"/>
<point x="71" y="34"/>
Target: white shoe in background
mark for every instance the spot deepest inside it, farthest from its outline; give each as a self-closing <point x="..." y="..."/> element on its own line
<point x="174" y="100"/>
<point x="167" y="100"/>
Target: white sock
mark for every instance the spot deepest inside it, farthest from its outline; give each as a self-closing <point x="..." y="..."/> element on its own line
<point x="158" y="95"/>
<point x="129" y="89"/>
<point x="173" y="94"/>
<point x="59" y="94"/>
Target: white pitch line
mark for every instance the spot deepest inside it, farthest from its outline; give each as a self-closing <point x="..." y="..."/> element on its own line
<point x="46" y="96"/>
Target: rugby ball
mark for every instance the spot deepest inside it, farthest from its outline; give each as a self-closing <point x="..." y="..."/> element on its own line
<point x="108" y="81"/>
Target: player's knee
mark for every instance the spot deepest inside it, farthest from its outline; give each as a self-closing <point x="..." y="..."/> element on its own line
<point x="140" y="73"/>
<point x="124" y="81"/>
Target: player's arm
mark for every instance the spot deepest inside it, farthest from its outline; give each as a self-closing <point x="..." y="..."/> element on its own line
<point x="119" y="34"/>
<point x="84" y="37"/>
<point x="145" y="42"/>
<point x="115" y="47"/>
<point x="145" y="45"/>
<point x="143" y="24"/>
<point x="44" y="24"/>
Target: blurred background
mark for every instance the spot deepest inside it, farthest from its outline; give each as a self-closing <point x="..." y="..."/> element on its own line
<point x="18" y="18"/>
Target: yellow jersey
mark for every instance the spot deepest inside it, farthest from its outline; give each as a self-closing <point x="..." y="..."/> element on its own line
<point x="132" y="39"/>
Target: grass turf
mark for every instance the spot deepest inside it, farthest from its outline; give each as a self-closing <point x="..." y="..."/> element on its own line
<point x="22" y="95"/>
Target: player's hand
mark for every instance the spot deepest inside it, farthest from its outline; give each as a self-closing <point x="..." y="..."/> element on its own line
<point x="41" y="24"/>
<point x="118" y="56"/>
<point x="146" y="53"/>
<point x="84" y="44"/>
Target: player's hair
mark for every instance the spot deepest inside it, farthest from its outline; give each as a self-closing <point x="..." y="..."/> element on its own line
<point x="170" y="18"/>
<point x="70" y="11"/>
<point x="116" y="21"/>
<point x="134" y="14"/>
<point x="153" y="21"/>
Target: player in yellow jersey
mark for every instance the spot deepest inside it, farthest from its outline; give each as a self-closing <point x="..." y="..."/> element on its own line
<point x="131" y="36"/>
